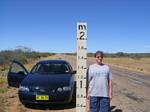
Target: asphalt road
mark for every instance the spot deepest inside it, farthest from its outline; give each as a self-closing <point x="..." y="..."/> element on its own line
<point x="131" y="90"/>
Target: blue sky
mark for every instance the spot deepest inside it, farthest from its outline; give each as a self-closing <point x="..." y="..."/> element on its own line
<point x="50" y="25"/>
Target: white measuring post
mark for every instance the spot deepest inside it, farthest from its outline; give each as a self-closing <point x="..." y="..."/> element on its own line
<point x="81" y="67"/>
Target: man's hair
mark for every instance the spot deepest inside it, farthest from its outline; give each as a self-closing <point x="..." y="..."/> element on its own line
<point x="98" y="52"/>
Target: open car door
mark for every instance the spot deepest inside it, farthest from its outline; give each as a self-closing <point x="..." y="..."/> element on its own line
<point x="17" y="72"/>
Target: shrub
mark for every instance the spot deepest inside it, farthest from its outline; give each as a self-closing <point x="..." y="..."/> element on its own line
<point x="22" y="55"/>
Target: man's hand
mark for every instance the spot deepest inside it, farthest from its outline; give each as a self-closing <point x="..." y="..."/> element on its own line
<point x="110" y="96"/>
<point x="88" y="103"/>
<point x="88" y="97"/>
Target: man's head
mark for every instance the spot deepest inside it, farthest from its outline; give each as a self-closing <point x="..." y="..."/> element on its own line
<point x="99" y="57"/>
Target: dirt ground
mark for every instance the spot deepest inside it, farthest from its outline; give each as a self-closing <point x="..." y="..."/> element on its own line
<point x="130" y="93"/>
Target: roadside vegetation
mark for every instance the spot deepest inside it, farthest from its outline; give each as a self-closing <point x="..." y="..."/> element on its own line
<point x="118" y="55"/>
<point x="122" y="54"/>
<point x="21" y="54"/>
<point x="133" y="61"/>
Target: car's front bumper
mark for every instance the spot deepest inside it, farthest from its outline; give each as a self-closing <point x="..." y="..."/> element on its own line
<point x="57" y="98"/>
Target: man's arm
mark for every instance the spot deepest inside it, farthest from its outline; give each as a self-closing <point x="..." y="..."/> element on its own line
<point x="110" y="89"/>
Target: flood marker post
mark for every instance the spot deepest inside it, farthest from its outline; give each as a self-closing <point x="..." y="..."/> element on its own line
<point x="81" y="67"/>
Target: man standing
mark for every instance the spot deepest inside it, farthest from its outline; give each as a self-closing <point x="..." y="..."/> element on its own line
<point x="99" y="85"/>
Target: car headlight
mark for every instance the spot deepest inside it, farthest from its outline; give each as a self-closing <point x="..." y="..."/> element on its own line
<point x="23" y="88"/>
<point x="59" y="89"/>
<point x="66" y="88"/>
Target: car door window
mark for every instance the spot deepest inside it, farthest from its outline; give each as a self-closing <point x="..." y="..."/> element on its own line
<point x="16" y="68"/>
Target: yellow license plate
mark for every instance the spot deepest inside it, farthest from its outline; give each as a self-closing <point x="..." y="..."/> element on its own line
<point x="42" y="97"/>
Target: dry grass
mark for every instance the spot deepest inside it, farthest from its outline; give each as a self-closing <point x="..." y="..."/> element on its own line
<point x="3" y="80"/>
<point x="142" y="64"/>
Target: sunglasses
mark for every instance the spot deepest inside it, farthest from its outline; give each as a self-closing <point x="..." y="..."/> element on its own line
<point x="99" y="56"/>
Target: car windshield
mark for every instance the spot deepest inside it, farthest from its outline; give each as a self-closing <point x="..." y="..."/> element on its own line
<point x="51" y="68"/>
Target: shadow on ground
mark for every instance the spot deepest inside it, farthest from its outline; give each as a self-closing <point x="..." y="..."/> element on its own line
<point x="114" y="109"/>
<point x="64" y="106"/>
<point x="52" y="106"/>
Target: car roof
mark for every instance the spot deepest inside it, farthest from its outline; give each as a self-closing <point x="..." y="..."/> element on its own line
<point x="53" y="61"/>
